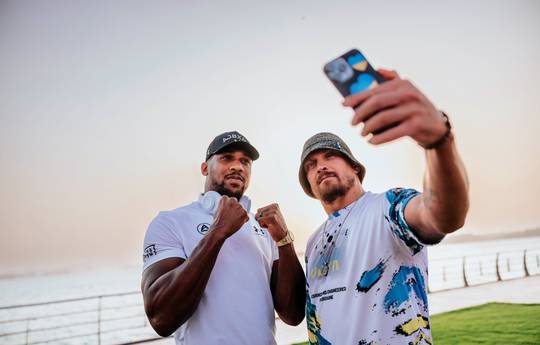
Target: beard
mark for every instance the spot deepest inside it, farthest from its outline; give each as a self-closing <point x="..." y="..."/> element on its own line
<point x="223" y="190"/>
<point x="337" y="191"/>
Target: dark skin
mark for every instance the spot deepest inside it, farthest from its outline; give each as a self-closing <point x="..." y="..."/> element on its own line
<point x="289" y="299"/>
<point x="172" y="288"/>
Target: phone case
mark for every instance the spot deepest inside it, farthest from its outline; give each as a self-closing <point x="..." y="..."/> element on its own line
<point x="351" y="73"/>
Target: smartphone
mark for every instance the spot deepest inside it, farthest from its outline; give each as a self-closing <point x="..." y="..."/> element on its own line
<point x="352" y="73"/>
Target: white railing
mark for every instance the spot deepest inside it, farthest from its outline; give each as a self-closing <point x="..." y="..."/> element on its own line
<point x="120" y="319"/>
<point x="103" y="319"/>
<point x="464" y="271"/>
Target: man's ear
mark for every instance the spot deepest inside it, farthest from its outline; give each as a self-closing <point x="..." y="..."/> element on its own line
<point x="204" y="169"/>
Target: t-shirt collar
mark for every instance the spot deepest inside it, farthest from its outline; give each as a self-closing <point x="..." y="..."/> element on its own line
<point x="345" y="209"/>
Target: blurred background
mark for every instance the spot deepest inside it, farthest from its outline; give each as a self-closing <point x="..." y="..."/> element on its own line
<point x="107" y="108"/>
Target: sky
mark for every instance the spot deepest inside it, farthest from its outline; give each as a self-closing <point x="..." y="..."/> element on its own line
<point x="107" y="108"/>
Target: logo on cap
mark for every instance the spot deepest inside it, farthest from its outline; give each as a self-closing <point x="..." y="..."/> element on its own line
<point x="234" y="136"/>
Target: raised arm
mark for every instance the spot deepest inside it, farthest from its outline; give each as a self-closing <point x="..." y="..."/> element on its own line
<point x="288" y="282"/>
<point x="443" y="205"/>
<point x="172" y="288"/>
<point x="396" y="109"/>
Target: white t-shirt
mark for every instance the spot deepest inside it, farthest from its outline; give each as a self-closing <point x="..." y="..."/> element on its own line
<point x="374" y="291"/>
<point x="236" y="306"/>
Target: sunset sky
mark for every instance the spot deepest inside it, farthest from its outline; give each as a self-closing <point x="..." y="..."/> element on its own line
<point x="107" y="108"/>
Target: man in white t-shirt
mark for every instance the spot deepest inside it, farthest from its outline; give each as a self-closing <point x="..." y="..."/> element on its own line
<point x="213" y="272"/>
<point x="366" y="266"/>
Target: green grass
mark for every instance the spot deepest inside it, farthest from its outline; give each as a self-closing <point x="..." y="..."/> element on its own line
<point x="492" y="323"/>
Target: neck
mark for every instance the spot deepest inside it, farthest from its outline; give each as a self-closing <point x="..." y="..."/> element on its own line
<point x="352" y="195"/>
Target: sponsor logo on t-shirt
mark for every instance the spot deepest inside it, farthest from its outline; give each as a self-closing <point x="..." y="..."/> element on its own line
<point x="149" y="251"/>
<point x="259" y="231"/>
<point x="203" y="228"/>
<point x="321" y="271"/>
<point x="328" y="294"/>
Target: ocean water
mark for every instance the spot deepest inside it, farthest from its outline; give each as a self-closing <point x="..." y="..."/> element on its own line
<point x="123" y="317"/>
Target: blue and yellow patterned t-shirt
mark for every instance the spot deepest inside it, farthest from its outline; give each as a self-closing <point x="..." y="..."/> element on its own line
<point x="367" y="274"/>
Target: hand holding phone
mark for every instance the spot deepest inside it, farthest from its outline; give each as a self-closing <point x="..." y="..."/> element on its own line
<point x="391" y="111"/>
<point x="351" y="73"/>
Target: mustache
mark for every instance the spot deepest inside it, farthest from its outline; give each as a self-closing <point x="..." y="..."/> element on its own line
<point x="324" y="175"/>
<point x="235" y="175"/>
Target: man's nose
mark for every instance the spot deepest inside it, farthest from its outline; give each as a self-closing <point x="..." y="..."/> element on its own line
<point x="236" y="166"/>
<point x="321" y="167"/>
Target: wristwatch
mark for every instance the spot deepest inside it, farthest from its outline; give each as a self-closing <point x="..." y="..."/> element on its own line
<point x="289" y="238"/>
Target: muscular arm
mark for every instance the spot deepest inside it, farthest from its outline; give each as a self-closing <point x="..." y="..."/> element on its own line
<point x="172" y="288"/>
<point x="397" y="109"/>
<point x="443" y="205"/>
<point x="288" y="285"/>
<point x="288" y="282"/>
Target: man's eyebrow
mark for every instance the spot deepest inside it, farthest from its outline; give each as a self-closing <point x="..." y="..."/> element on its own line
<point x="329" y="152"/>
<point x="308" y="160"/>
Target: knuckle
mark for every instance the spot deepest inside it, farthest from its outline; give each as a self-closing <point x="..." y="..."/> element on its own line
<point x="403" y="84"/>
<point x="376" y="101"/>
<point x="409" y="95"/>
<point x="416" y="122"/>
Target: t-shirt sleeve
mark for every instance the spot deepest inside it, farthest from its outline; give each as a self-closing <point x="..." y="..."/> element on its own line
<point x="162" y="241"/>
<point x="398" y="199"/>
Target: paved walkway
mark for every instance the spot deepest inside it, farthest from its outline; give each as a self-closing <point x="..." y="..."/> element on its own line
<point x="525" y="290"/>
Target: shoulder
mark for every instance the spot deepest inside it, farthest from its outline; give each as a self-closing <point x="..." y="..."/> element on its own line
<point x="396" y="195"/>
<point x="372" y="203"/>
<point x="397" y="199"/>
<point x="178" y="214"/>
<point x="172" y="220"/>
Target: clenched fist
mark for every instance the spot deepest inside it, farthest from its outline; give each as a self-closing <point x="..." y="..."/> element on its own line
<point x="270" y="217"/>
<point x="230" y="216"/>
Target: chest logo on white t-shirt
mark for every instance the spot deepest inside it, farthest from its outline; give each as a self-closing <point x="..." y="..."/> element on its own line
<point x="203" y="228"/>
<point x="259" y="231"/>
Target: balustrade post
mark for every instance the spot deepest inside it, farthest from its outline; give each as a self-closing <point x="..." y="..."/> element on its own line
<point x="497" y="268"/>
<point x="465" y="282"/>
<point x="27" y="331"/>
<point x="99" y="321"/>
<point x="525" y="263"/>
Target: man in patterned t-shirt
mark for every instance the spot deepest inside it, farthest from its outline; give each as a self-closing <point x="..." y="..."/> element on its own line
<point x="366" y="266"/>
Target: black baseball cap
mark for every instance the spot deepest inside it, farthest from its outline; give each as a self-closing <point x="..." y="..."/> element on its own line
<point x="326" y="141"/>
<point x="231" y="140"/>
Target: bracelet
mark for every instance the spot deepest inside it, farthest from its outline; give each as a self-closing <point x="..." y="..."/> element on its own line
<point x="445" y="136"/>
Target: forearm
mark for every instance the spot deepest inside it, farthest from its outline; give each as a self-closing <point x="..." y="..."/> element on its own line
<point x="289" y="287"/>
<point x="446" y="188"/>
<point x="176" y="294"/>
